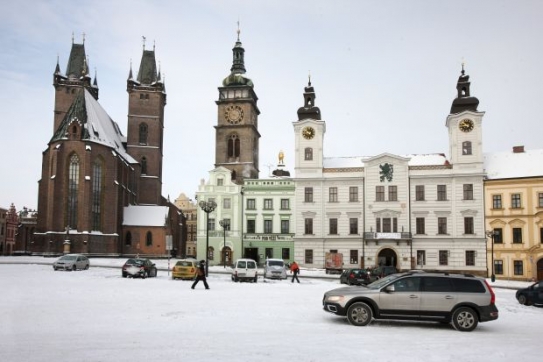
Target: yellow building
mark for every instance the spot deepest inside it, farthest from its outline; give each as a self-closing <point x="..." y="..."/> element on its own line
<point x="514" y="213"/>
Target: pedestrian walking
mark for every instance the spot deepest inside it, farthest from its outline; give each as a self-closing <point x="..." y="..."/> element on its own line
<point x="201" y="275"/>
<point x="295" y="270"/>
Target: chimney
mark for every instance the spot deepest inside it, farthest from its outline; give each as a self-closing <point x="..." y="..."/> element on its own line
<point x="518" y="149"/>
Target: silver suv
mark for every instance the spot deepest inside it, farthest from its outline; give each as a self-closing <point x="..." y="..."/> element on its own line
<point x="460" y="299"/>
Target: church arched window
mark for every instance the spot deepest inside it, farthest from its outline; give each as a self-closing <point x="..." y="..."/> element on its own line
<point x="73" y="189"/>
<point x="149" y="239"/>
<point x="97" y="194"/>
<point x="128" y="239"/>
<point x="234" y="146"/>
<point x="144" y="165"/>
<point x="144" y="133"/>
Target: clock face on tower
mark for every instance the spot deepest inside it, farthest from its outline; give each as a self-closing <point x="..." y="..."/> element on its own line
<point x="233" y="114"/>
<point x="465" y="125"/>
<point x="308" y="133"/>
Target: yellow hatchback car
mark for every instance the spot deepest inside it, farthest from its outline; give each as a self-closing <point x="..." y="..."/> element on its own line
<point x="185" y="269"/>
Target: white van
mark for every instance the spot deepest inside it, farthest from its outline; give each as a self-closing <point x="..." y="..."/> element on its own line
<point x="245" y="270"/>
<point x="275" y="269"/>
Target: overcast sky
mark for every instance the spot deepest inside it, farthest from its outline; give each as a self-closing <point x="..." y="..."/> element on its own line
<point x="384" y="72"/>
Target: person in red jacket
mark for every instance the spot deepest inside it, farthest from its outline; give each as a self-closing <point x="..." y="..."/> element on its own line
<point x="295" y="270"/>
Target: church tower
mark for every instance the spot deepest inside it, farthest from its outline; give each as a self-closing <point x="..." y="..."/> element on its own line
<point x="145" y="134"/>
<point x="236" y="132"/>
<point x="465" y="128"/>
<point x="67" y="86"/>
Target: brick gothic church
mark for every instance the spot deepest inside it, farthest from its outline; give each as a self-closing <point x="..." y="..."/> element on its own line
<point x="100" y="191"/>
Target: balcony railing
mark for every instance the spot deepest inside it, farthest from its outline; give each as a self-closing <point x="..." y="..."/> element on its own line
<point x="268" y="237"/>
<point x="387" y="236"/>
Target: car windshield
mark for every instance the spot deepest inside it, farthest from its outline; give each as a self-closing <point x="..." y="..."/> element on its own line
<point x="68" y="257"/>
<point x="379" y="283"/>
<point x="276" y="263"/>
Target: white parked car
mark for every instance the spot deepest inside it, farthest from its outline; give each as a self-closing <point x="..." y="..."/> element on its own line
<point x="71" y="262"/>
<point x="245" y="270"/>
<point x="275" y="269"/>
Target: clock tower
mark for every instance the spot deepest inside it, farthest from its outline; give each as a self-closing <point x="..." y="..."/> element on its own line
<point x="236" y="132"/>
<point x="465" y="128"/>
<point x="309" y="137"/>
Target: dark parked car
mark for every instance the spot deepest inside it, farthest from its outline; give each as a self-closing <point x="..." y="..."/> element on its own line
<point x="139" y="268"/>
<point x="356" y="277"/>
<point x="531" y="295"/>
<point x="383" y="271"/>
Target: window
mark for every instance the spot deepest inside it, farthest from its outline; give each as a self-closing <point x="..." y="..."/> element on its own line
<point x="443" y="257"/>
<point x="393" y="193"/>
<point x="268" y="227"/>
<point x="518" y="268"/>
<point x="470" y="257"/>
<point x="211" y="224"/>
<point x="97" y="194"/>
<point x="128" y="239"/>
<point x="269" y="253"/>
<point x="308" y="256"/>
<point x="332" y="194"/>
<point x="419" y="193"/>
<point x="379" y="193"/>
<point x="515" y="201"/>
<point x="251" y="204"/>
<point x="498" y="267"/>
<point x="308" y="226"/>
<point x="226" y="203"/>
<point x="468" y="191"/>
<point x="285" y="204"/>
<point x="233" y="146"/>
<point x="333" y="226"/>
<point x="251" y="226"/>
<point x="540" y="197"/>
<point x="442" y="225"/>
<point x="308" y="154"/>
<point x="441" y="192"/>
<point x="285" y="226"/>
<point x="353" y="194"/>
<point x="517" y="235"/>
<point x="353" y="256"/>
<point x="498" y="236"/>
<point x="353" y="225"/>
<point x="378" y="225"/>
<point x="468" y="225"/>
<point x="466" y="148"/>
<point x="420" y="225"/>
<point x="308" y="197"/>
<point x="268" y="204"/>
<point x="143" y="134"/>
<point x="149" y="239"/>
<point x="143" y="165"/>
<point x="496" y="201"/>
<point x="285" y="253"/>
<point x="220" y="182"/>
<point x="421" y="257"/>
<point x="387" y="225"/>
<point x="73" y="190"/>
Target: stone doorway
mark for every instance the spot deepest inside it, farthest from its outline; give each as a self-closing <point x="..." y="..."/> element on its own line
<point x="387" y="257"/>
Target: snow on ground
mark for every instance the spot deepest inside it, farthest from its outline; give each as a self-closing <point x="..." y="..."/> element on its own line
<point x="96" y="315"/>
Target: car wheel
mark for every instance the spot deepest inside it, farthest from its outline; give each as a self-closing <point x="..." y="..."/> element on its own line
<point x="124" y="275"/>
<point x="256" y="279"/>
<point x="523" y="300"/>
<point x="87" y="267"/>
<point x="464" y="319"/>
<point x="74" y="268"/>
<point x="144" y="275"/>
<point x="359" y="314"/>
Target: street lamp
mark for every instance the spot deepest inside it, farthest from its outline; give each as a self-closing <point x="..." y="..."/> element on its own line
<point x="207" y="207"/>
<point x="492" y="234"/>
<point x="225" y="223"/>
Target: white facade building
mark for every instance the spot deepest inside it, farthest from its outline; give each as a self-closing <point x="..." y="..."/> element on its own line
<point x="413" y="211"/>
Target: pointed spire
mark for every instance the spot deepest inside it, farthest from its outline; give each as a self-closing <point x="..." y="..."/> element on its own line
<point x="57" y="68"/>
<point x="238" y="64"/>
<point x="130" y="76"/>
<point x="148" y="70"/>
<point x="95" y="83"/>
<point x="309" y="111"/>
<point x="464" y="101"/>
<point x="158" y="76"/>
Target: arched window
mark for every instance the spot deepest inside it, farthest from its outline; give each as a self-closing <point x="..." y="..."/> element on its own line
<point x="233" y="146"/>
<point x="73" y="188"/>
<point x="128" y="239"/>
<point x="143" y="133"/>
<point x="144" y="165"/>
<point x="149" y="239"/>
<point x="466" y="148"/>
<point x="97" y="193"/>
<point x="308" y="154"/>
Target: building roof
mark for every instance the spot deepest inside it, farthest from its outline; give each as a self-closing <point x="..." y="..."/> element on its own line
<point x="145" y="215"/>
<point x="504" y="165"/>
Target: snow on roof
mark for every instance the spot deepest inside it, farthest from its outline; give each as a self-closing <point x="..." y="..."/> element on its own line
<point x="501" y="165"/>
<point x="149" y="215"/>
<point x="102" y="129"/>
<point x="435" y="159"/>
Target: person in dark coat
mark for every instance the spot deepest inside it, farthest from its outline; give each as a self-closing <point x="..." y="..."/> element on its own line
<point x="295" y="270"/>
<point x="201" y="275"/>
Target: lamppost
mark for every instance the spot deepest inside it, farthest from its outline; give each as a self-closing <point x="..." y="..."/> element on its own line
<point x="492" y="234"/>
<point x="225" y="223"/>
<point x="242" y="222"/>
<point x="207" y="207"/>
